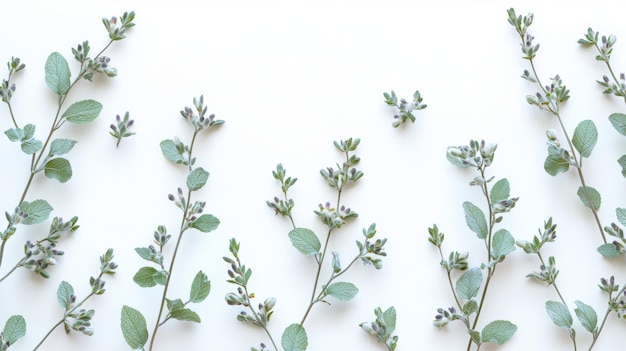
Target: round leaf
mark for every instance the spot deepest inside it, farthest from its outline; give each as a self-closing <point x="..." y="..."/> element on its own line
<point x="585" y="137"/>
<point x="468" y="284"/>
<point x="59" y="169"/>
<point x="294" y="338"/>
<point x="305" y="241"/>
<point x="498" y="332"/>
<point x="38" y="211"/>
<point x="197" y="178"/>
<point x="83" y="112"/>
<point x="14" y="328"/>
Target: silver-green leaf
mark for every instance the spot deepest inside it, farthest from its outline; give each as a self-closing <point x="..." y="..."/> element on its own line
<point x="608" y="250"/>
<point x="82" y="112"/>
<point x="185" y="314"/>
<point x="502" y="244"/>
<point x="587" y="316"/>
<point x="618" y="120"/>
<point x="205" y="223"/>
<point x="498" y="332"/>
<point x="145" y="277"/>
<point x="200" y="288"/>
<point x="305" y="241"/>
<point x="342" y="291"/>
<point x="500" y="190"/>
<point x="469" y="283"/>
<point x="169" y="150"/>
<point x="59" y="169"/>
<point x="620" y="212"/>
<point x="585" y="137"/>
<point x="134" y="328"/>
<point x="57" y="74"/>
<point x="61" y="146"/>
<point x="197" y="178"/>
<point x="38" y="211"/>
<point x="475" y="219"/>
<point x="559" y="314"/>
<point x="622" y="162"/>
<point x="294" y="338"/>
<point x="64" y="294"/>
<point x="14" y="328"/>
<point x="594" y="196"/>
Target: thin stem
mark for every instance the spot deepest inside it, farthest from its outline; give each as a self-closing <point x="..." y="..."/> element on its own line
<point x="12" y="270"/>
<point x="256" y="315"/>
<point x="448" y="271"/>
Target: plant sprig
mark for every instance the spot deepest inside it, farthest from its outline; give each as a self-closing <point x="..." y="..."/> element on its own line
<point x="133" y="323"/>
<point x="383" y="327"/>
<point x="405" y="108"/>
<point x="498" y="244"/>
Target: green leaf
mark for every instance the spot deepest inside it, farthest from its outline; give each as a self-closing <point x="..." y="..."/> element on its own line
<point x="608" y="250"/>
<point x="618" y="120"/>
<point x="29" y="131"/>
<point x="197" y="178"/>
<point x="585" y="137"/>
<point x="594" y="196"/>
<point x="559" y="314"/>
<point x="498" y="332"/>
<point x="205" y="223"/>
<point x="622" y="162"/>
<point x="83" y="112"/>
<point x="38" y="211"/>
<point x="555" y="163"/>
<point x="343" y="291"/>
<point x="500" y="190"/>
<point x="305" y="241"/>
<point x="294" y="338"/>
<point x="174" y="305"/>
<point x="502" y="244"/>
<point x="389" y="317"/>
<point x="59" y="169"/>
<point x="31" y="146"/>
<point x="468" y="284"/>
<point x="14" y="328"/>
<point x="144" y="253"/>
<point x="14" y="134"/>
<point x="475" y="219"/>
<point x="57" y="74"/>
<point x="168" y="148"/>
<point x="61" y="146"/>
<point x="134" y="328"/>
<point x="621" y="215"/>
<point x="160" y="277"/>
<point x="587" y="316"/>
<point x="470" y="307"/>
<point x="200" y="288"/>
<point x="145" y="277"/>
<point x="186" y="314"/>
<point x="64" y="294"/>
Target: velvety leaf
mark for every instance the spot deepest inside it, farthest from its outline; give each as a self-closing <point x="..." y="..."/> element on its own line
<point x="144" y="253"/>
<point x="475" y="219"/>
<point x="585" y="137"/>
<point x="168" y="148"/>
<point x="294" y="338"/>
<point x="594" y="196"/>
<point x="14" y="328"/>
<point x="186" y="314"/>
<point x="197" y="178"/>
<point x="61" y="146"/>
<point x="14" y="134"/>
<point x="555" y="163"/>
<point x="206" y="223"/>
<point x="134" y="328"/>
<point x="618" y="120"/>
<point x="622" y="162"/>
<point x="468" y="284"/>
<point x="502" y="243"/>
<point x="57" y="74"/>
<point x="31" y="146"/>
<point x="83" y="112"/>
<point x="587" y="316"/>
<point x="59" y="169"/>
<point x="305" y="241"/>
<point x="200" y="288"/>
<point x="500" y="190"/>
<point x="145" y="277"/>
<point x="608" y="250"/>
<point x="342" y="291"/>
<point x="38" y="211"/>
<point x="621" y="215"/>
<point x="64" y="294"/>
<point x="389" y="317"/>
<point x="559" y="314"/>
<point x="498" y="332"/>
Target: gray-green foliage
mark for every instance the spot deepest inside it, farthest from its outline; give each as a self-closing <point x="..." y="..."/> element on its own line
<point x="405" y="108"/>
<point x="133" y="324"/>
<point x="498" y="243"/>
<point x="307" y="242"/>
<point x="45" y="157"/>
<point x="383" y="327"/>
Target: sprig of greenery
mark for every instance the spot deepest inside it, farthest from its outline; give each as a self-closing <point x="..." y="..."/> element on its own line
<point x="549" y="99"/>
<point x="405" y="108"/>
<point x="604" y="46"/>
<point x="74" y="317"/>
<point x="383" y="327"/>
<point x="120" y="130"/>
<point x="498" y="244"/>
<point x="133" y="323"/>
<point x="45" y="155"/>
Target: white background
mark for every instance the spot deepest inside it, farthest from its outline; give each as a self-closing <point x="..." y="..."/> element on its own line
<point x="289" y="78"/>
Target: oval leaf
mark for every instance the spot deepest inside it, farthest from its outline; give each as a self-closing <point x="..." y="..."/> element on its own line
<point x="585" y="137"/>
<point x="294" y="338"/>
<point x="38" y="211"/>
<point x="205" y="223"/>
<point x="498" y="332"/>
<point x="475" y="219"/>
<point x="59" y="169"/>
<point x="468" y="284"/>
<point x="14" y="328"/>
<point x="134" y="328"/>
<point x="64" y="294"/>
<point x="618" y="120"/>
<point x="342" y="291"/>
<point x="61" y="146"/>
<point x="57" y="74"/>
<point x="83" y="112"/>
<point x="594" y="196"/>
<point x="502" y="244"/>
<point x="622" y="162"/>
<point x="31" y="146"/>
<point x="500" y="191"/>
<point x="305" y="241"/>
<point x="608" y="250"/>
<point x="587" y="316"/>
<point x="168" y="148"/>
<point x="186" y="314"/>
<point x="145" y="277"/>
<point x="200" y="288"/>
<point x="555" y="163"/>
<point x="559" y="314"/>
<point x="197" y="178"/>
